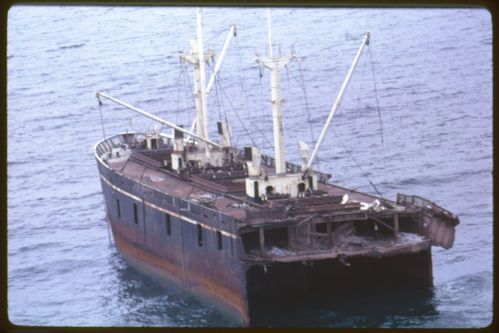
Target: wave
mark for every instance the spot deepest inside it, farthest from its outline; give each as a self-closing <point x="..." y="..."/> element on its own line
<point x="74" y="46"/>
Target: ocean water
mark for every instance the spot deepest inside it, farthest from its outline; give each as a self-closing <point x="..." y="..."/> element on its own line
<point x="416" y="119"/>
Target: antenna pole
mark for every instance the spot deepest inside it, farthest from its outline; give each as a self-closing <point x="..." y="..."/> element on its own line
<point x="365" y="42"/>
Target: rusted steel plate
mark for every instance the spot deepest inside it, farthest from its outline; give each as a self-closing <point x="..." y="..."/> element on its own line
<point x="194" y="276"/>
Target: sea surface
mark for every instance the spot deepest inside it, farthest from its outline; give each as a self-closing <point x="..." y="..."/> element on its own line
<point x="416" y="119"/>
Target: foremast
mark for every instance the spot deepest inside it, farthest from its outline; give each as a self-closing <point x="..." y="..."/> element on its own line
<point x="203" y="152"/>
<point x="198" y="58"/>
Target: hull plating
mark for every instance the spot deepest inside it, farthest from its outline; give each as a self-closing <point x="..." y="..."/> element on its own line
<point x="197" y="283"/>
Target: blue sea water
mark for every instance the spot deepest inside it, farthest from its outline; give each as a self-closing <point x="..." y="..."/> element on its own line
<point x="428" y="70"/>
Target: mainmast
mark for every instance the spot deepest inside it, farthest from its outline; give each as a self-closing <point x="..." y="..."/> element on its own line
<point x="259" y="185"/>
<point x="275" y="64"/>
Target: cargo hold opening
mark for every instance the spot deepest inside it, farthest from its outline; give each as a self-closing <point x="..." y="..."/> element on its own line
<point x="261" y="239"/>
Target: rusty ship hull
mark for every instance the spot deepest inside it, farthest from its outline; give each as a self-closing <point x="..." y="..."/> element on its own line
<point x="200" y="232"/>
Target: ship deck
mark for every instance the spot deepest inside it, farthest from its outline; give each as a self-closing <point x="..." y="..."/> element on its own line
<point x="329" y="222"/>
<point x="233" y="204"/>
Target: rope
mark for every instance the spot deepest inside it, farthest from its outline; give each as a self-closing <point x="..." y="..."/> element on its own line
<point x="376" y="95"/>
<point x="183" y="85"/>
<point x="309" y="117"/>
<point x="347" y="150"/>
<point x="219" y="101"/>
<point x="221" y="31"/>
<point x="241" y="77"/>
<point x="301" y="84"/>
<point x="179" y="84"/>
<point x="360" y="88"/>
<point x="235" y="112"/>
<point x="262" y="134"/>
<point x="101" y="118"/>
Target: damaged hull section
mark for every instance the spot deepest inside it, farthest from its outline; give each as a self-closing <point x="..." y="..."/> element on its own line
<point x="322" y="280"/>
<point x="200" y="232"/>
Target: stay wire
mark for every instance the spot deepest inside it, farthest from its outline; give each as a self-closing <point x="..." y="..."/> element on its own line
<point x="360" y="88"/>
<point x="242" y="80"/>
<point x="101" y="118"/>
<point x="219" y="101"/>
<point x="301" y="83"/>
<point x="179" y="83"/>
<point x="115" y="114"/>
<point x="258" y="129"/>
<point x="376" y="94"/>
<point x="347" y="150"/>
<point x="235" y="112"/>
<point x="188" y="97"/>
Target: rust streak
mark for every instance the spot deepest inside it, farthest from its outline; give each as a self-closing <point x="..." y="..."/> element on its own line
<point x="231" y="298"/>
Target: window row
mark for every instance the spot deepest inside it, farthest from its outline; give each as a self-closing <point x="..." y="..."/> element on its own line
<point x="168" y="226"/>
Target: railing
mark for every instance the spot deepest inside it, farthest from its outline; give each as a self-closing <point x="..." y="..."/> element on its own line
<point x="417" y="201"/>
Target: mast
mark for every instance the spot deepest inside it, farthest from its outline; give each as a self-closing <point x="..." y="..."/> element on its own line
<point x="275" y="64"/>
<point x="218" y="64"/>
<point x="197" y="57"/>
<point x="202" y="128"/>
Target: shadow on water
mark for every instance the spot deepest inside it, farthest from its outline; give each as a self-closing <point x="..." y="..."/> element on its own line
<point x="356" y="308"/>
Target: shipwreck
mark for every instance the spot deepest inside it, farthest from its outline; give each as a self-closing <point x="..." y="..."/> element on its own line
<point x="237" y="228"/>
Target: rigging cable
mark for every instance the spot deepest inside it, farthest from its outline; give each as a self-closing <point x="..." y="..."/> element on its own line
<point x="356" y="163"/>
<point x="188" y="96"/>
<point x="101" y="118"/>
<point x="235" y="112"/>
<point x="219" y="100"/>
<point x="376" y="95"/>
<point x="301" y="83"/>
<point x="240" y="65"/>
<point x="179" y="84"/>
<point x="244" y="90"/>
<point x="258" y="129"/>
<point x="113" y="110"/>
<point x="360" y="89"/>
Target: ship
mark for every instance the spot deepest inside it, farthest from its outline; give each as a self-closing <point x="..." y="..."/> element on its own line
<point x="239" y="229"/>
